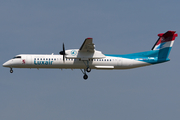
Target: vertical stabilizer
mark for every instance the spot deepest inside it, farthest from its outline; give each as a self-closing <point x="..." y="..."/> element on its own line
<point x="164" y="44"/>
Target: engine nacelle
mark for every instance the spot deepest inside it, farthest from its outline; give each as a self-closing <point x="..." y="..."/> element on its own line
<point x="76" y="54"/>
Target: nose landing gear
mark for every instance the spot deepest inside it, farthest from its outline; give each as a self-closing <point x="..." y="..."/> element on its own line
<point x="11" y="70"/>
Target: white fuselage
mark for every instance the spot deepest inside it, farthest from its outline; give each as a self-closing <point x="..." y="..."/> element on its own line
<point x="56" y="61"/>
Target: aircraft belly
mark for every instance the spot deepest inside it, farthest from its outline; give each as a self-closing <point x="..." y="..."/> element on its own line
<point x="131" y="63"/>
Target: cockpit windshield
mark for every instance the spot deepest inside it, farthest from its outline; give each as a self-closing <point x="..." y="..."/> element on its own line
<point x="16" y="57"/>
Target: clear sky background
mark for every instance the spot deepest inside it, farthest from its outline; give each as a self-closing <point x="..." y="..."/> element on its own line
<point x="117" y="27"/>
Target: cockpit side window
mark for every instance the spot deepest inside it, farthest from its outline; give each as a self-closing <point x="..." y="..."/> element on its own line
<point x="16" y="57"/>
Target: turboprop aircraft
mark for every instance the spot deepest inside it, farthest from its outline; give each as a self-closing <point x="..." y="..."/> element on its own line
<point x="86" y="57"/>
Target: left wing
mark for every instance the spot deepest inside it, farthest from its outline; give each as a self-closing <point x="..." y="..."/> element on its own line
<point x="87" y="51"/>
<point x="87" y="46"/>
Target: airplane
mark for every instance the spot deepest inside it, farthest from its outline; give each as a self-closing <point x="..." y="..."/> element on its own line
<point x="86" y="57"/>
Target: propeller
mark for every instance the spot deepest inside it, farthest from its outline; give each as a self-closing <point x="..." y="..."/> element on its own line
<point x="63" y="52"/>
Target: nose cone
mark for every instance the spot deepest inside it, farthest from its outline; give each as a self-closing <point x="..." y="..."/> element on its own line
<point x="7" y="64"/>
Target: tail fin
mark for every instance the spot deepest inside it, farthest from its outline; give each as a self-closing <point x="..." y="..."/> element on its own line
<point x="164" y="44"/>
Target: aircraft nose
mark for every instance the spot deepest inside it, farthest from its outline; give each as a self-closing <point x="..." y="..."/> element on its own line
<point x="7" y="64"/>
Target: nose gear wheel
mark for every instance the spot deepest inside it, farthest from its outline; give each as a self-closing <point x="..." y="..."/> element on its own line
<point x="11" y="70"/>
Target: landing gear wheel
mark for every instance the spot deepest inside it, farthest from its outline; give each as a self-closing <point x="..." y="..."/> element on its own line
<point x="88" y="69"/>
<point x="11" y="71"/>
<point x="85" y="77"/>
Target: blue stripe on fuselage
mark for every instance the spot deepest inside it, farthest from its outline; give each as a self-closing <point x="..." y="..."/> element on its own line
<point x="152" y="57"/>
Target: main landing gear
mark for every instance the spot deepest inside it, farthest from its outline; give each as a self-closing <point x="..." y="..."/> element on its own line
<point x="88" y="69"/>
<point x="11" y="70"/>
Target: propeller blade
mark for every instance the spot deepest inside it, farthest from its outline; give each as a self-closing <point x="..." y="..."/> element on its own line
<point x="63" y="48"/>
<point x="63" y="52"/>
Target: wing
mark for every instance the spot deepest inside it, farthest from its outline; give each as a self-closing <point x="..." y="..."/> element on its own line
<point x="87" y="51"/>
<point x="87" y="46"/>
